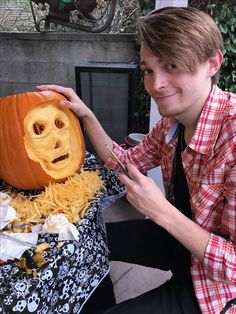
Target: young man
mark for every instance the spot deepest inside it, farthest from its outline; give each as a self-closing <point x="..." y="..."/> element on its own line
<point x="192" y="229"/>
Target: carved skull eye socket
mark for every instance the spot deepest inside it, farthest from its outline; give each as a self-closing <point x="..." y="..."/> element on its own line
<point x="38" y="128"/>
<point x="59" y="124"/>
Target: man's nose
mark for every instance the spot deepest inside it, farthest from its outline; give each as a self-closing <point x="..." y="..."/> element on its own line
<point x="160" y="81"/>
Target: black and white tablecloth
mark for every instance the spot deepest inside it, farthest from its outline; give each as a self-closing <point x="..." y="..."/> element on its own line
<point x="70" y="272"/>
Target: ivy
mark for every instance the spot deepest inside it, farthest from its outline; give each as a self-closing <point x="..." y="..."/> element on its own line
<point x="224" y="14"/>
<point x="225" y="17"/>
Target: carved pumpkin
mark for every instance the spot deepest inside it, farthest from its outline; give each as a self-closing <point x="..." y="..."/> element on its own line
<point x="40" y="142"/>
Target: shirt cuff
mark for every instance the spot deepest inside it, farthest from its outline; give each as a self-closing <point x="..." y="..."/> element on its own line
<point x="218" y="259"/>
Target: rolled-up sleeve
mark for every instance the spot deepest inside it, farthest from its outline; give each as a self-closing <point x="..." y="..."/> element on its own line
<point x="220" y="259"/>
<point x="220" y="256"/>
<point x="144" y="156"/>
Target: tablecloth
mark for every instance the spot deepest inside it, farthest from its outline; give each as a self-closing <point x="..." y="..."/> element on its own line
<point x="70" y="272"/>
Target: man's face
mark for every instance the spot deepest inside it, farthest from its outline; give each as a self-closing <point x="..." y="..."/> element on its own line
<point x="177" y="93"/>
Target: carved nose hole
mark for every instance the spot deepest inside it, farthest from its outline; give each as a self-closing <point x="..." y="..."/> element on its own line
<point x="59" y="124"/>
<point x="57" y="145"/>
<point x="38" y="128"/>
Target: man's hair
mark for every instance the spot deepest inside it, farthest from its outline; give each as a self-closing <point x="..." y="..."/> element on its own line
<point x="184" y="36"/>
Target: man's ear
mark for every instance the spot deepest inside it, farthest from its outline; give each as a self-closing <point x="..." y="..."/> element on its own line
<point x="214" y="63"/>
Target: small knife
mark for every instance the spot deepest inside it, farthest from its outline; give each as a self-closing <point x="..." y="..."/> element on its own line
<point x="124" y="169"/>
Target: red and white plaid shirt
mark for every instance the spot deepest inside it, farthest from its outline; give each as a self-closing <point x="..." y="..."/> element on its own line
<point x="209" y="162"/>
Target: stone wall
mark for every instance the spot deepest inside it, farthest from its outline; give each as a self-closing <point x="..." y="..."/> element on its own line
<point x="30" y="59"/>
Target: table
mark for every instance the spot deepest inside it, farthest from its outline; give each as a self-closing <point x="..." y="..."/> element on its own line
<point x="71" y="272"/>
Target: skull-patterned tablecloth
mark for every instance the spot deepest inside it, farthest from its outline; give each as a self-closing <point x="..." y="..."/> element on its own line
<point x="71" y="272"/>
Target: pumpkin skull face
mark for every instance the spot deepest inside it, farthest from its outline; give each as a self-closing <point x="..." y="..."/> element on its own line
<point x="49" y="140"/>
<point x="40" y="142"/>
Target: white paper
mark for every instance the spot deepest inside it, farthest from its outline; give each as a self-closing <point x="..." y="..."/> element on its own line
<point x="11" y="249"/>
<point x="7" y="213"/>
<point x="61" y="225"/>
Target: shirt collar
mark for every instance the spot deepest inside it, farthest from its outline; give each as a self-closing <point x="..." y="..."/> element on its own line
<point x="209" y="123"/>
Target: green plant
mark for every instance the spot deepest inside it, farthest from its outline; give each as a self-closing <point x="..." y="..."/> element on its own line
<point x="24" y="4"/>
<point x="225" y="16"/>
<point x="142" y="113"/>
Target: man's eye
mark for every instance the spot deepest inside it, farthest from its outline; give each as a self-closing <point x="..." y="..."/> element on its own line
<point x="171" y="66"/>
<point x="146" y="72"/>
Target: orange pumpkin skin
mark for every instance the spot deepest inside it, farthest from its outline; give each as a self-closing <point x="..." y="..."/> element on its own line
<point x="16" y="168"/>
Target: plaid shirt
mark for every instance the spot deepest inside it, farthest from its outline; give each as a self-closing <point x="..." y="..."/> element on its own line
<point x="209" y="162"/>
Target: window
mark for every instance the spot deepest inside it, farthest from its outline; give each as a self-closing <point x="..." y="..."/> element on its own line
<point x="109" y="89"/>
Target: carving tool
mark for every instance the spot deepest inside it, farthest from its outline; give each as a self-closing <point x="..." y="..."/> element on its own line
<point x="123" y="167"/>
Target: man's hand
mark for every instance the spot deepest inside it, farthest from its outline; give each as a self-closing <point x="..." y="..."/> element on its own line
<point x="73" y="102"/>
<point x="144" y="194"/>
<point x="97" y="135"/>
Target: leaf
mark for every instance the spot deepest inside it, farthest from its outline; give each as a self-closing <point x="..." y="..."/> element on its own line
<point x="225" y="63"/>
<point x="223" y="28"/>
<point x="211" y="6"/>
<point x="232" y="21"/>
<point x="234" y="76"/>
<point x="232" y="48"/>
<point x="228" y="81"/>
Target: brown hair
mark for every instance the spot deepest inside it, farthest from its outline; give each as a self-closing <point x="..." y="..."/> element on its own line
<point x="184" y="36"/>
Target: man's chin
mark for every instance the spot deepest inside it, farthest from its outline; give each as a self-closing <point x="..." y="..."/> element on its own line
<point x="166" y="114"/>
